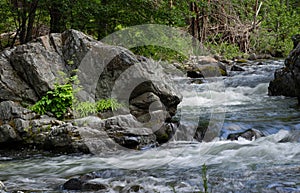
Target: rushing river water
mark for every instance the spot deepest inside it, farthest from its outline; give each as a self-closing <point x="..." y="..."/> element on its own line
<point x="237" y="102"/>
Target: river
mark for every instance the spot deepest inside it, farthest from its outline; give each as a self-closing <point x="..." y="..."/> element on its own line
<point x="236" y="102"/>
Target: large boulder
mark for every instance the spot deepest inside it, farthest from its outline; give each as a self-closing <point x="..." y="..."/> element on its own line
<point x="203" y="67"/>
<point x="38" y="64"/>
<point x="28" y="71"/>
<point x="105" y="71"/>
<point x="12" y="86"/>
<point x="287" y="79"/>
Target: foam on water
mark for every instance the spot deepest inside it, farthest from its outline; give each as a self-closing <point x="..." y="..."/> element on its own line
<point x="230" y="97"/>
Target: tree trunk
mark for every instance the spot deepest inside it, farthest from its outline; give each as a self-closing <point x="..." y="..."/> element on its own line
<point x="57" y="18"/>
<point x="31" y="18"/>
<point x="23" y="21"/>
<point x="255" y="15"/>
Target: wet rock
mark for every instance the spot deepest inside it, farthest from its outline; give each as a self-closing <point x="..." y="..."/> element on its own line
<point x="85" y="135"/>
<point x="201" y="130"/>
<point x="84" y="183"/>
<point x="166" y="132"/>
<point x="73" y="184"/>
<point x="30" y="70"/>
<point x="2" y="187"/>
<point x="197" y="81"/>
<point x="204" y="71"/>
<point x="292" y="136"/>
<point x="296" y="40"/>
<point x="283" y="84"/>
<point x="133" y="188"/>
<point x="236" y="68"/>
<point x="287" y="79"/>
<point x="249" y="134"/>
<point x="65" y="138"/>
<point x="194" y="74"/>
<point x="93" y="186"/>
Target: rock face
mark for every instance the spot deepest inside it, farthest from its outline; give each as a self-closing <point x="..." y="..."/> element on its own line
<point x="23" y="128"/>
<point x="287" y="79"/>
<point x="30" y="70"/>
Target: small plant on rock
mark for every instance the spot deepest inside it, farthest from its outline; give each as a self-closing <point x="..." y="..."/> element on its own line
<point x="58" y="100"/>
<point x="86" y="108"/>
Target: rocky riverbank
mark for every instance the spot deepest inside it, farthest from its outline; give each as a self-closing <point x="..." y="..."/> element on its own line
<point x="29" y="71"/>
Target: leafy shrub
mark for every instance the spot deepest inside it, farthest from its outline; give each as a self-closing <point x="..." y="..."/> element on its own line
<point x="86" y="108"/>
<point x="159" y="53"/>
<point x="56" y="101"/>
<point x="108" y="104"/>
<point x="229" y="51"/>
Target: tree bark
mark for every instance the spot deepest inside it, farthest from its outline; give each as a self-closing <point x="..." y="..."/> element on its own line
<point x="57" y="19"/>
<point x="31" y="19"/>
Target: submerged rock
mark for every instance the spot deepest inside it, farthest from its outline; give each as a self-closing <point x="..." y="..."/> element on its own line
<point x="292" y="136"/>
<point x="249" y="134"/>
<point x="78" y="184"/>
<point x="236" y="68"/>
<point x="2" y="187"/>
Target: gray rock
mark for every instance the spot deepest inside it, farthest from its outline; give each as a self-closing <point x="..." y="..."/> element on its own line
<point x="38" y="64"/>
<point x="10" y="110"/>
<point x="12" y="86"/>
<point x="204" y="66"/>
<point x="287" y="79"/>
<point x="141" y="104"/>
<point x="30" y="70"/>
<point x="283" y="84"/>
<point x="129" y="133"/>
<point x="7" y="134"/>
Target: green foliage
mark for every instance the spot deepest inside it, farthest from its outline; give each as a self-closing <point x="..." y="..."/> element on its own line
<point x="87" y="108"/>
<point x="159" y="53"/>
<point x="204" y="178"/>
<point x="56" y="101"/>
<point x="99" y="18"/>
<point x="281" y="22"/>
<point x="229" y="51"/>
<point x="108" y="104"/>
